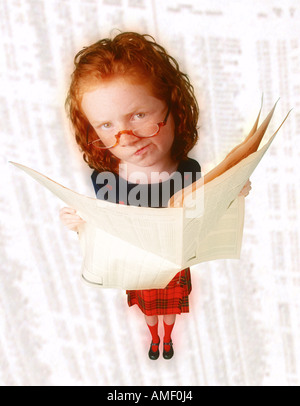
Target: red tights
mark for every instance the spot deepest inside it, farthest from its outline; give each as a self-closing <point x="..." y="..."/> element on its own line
<point x="155" y="337"/>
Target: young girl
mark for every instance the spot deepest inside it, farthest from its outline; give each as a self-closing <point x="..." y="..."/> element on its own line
<point x="135" y="115"/>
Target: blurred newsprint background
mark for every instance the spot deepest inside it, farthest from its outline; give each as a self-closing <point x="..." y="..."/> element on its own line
<point x="244" y="324"/>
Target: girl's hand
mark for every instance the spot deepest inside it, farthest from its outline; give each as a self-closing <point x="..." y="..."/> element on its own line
<point x="246" y="189"/>
<point x="70" y="219"/>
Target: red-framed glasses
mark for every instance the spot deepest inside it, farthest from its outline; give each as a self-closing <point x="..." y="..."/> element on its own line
<point x="143" y="131"/>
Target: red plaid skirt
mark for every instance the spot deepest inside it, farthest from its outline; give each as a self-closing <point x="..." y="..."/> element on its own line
<point x="173" y="299"/>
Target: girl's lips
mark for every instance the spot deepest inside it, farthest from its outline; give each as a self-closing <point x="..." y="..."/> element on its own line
<point x="141" y="150"/>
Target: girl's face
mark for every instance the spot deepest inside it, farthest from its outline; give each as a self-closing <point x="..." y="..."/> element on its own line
<point x="119" y="104"/>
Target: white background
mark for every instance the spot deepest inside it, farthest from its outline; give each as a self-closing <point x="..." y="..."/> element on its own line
<point x="244" y="323"/>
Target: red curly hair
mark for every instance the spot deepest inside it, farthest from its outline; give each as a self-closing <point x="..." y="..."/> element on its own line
<point x="137" y="56"/>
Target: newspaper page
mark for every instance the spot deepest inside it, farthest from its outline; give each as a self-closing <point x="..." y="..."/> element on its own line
<point x="153" y="244"/>
<point x="243" y="327"/>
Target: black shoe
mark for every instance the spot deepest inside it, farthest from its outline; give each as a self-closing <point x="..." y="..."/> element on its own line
<point x="153" y="354"/>
<point x="168" y="354"/>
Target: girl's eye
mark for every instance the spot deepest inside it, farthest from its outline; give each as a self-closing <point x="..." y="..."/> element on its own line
<point x="106" y="126"/>
<point x="139" y="116"/>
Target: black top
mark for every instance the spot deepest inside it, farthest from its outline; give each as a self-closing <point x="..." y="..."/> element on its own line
<point x="111" y="187"/>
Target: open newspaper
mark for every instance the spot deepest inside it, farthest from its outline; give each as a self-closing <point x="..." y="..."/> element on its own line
<point x="131" y="247"/>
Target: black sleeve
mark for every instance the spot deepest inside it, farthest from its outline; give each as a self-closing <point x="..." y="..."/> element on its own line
<point x="193" y="166"/>
<point x="95" y="184"/>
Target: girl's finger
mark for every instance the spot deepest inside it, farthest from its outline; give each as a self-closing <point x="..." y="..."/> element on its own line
<point x="67" y="210"/>
<point x="74" y="221"/>
<point x="71" y="216"/>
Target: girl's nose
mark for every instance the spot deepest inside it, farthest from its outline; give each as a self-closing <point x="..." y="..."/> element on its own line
<point x="127" y="138"/>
